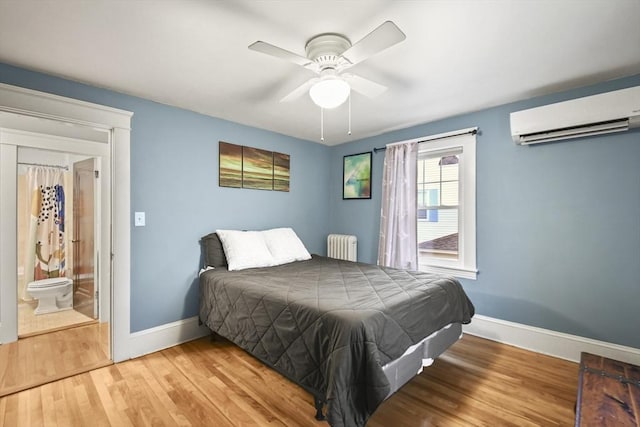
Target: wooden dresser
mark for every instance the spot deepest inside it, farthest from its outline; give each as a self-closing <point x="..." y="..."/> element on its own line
<point x="608" y="393"/>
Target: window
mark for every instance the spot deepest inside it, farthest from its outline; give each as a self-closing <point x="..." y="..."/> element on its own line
<point x="438" y="203"/>
<point x="446" y="204"/>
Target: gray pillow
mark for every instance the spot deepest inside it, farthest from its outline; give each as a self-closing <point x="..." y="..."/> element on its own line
<point x="213" y="252"/>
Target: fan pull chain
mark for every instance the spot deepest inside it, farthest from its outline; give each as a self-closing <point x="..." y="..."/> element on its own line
<point x="349" y="113"/>
<point x="321" y="124"/>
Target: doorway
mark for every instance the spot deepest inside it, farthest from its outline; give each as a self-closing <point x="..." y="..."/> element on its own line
<point x="56" y="212"/>
<point x="33" y="118"/>
<point x="59" y="237"/>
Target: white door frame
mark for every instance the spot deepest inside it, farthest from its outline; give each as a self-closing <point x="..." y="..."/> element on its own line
<point x="85" y="117"/>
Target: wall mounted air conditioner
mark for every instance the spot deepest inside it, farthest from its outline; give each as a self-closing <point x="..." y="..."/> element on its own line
<point x="592" y="115"/>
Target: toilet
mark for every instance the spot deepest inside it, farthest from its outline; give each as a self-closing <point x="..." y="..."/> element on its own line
<point x="54" y="294"/>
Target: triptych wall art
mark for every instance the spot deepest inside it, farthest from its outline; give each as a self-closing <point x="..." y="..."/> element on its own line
<point x="247" y="167"/>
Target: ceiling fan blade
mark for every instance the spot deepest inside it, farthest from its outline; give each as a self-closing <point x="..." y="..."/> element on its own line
<point x="386" y="35"/>
<point x="299" y="91"/>
<point x="278" y="52"/>
<point x="364" y="86"/>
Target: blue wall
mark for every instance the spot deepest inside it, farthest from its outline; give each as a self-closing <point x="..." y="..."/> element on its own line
<point x="174" y="179"/>
<point x="558" y="224"/>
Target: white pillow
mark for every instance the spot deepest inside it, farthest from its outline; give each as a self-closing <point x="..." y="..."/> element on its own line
<point x="285" y="246"/>
<point x="245" y="249"/>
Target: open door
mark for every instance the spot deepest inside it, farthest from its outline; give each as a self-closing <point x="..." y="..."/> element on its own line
<point x="85" y="291"/>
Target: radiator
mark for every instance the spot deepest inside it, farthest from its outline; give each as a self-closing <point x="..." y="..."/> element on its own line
<point x="342" y="246"/>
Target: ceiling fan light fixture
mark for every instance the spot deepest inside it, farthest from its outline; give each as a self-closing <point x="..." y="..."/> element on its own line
<point x="330" y="92"/>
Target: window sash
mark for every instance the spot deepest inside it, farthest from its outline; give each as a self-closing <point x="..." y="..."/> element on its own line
<point x="462" y="146"/>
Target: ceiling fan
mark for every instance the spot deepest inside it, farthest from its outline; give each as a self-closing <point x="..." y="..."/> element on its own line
<point x="329" y="55"/>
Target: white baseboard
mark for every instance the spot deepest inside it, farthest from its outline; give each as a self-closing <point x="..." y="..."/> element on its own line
<point x="545" y="341"/>
<point x="165" y="336"/>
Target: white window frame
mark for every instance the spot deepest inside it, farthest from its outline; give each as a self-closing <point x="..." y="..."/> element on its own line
<point x="465" y="265"/>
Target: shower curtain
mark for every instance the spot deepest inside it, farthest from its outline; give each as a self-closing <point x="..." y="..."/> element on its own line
<point x="45" y="255"/>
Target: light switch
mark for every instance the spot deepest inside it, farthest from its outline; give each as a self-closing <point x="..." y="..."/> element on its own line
<point x="139" y="220"/>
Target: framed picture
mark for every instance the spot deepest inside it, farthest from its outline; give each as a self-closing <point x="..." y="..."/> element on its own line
<point x="356" y="176"/>
<point x="230" y="161"/>
<point x="281" y="171"/>
<point x="257" y="168"/>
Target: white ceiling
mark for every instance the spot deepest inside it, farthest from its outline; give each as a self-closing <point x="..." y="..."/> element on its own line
<point x="459" y="55"/>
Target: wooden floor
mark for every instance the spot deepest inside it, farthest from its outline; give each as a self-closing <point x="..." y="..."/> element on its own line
<point x="49" y="357"/>
<point x="203" y="383"/>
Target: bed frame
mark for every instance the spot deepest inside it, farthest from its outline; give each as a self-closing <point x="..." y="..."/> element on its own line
<point x="417" y="357"/>
<point x="421" y="355"/>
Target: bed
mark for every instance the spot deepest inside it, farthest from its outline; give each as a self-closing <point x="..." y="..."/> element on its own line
<point x="349" y="333"/>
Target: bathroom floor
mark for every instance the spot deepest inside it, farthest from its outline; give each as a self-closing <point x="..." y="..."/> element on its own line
<point x="30" y="324"/>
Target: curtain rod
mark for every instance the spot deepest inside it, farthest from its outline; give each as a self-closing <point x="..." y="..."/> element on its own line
<point x="44" y="165"/>
<point x="472" y="132"/>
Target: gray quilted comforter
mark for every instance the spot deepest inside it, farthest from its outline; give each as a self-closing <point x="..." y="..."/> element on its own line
<point x="330" y="325"/>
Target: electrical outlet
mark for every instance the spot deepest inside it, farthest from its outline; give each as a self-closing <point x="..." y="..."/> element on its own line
<point x="139" y="219"/>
